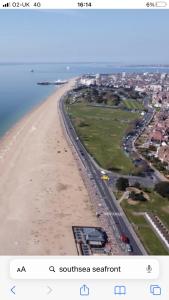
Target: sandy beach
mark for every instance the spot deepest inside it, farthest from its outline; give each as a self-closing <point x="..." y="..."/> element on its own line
<point x="41" y="190"/>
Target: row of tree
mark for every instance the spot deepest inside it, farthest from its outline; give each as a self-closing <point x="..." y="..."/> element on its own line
<point x="162" y="188"/>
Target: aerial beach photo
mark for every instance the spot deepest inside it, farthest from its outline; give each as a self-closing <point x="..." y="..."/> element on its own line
<point x="84" y="133"/>
<point x="48" y="199"/>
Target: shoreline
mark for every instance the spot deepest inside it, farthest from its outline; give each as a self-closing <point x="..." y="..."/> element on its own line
<point x="42" y="194"/>
<point x="26" y="115"/>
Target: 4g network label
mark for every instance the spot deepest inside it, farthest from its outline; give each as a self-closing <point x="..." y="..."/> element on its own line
<point x="25" y="4"/>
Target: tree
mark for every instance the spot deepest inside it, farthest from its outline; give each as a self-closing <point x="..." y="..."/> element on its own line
<point x="152" y="148"/>
<point x="105" y="101"/>
<point x="122" y="183"/>
<point x="140" y="197"/>
<point x="137" y="196"/>
<point x="132" y="195"/>
<point x="137" y="185"/>
<point x="83" y="124"/>
<point x="162" y="188"/>
<point x="116" y="101"/>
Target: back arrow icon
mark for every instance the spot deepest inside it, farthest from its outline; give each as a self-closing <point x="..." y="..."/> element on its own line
<point x="13" y="290"/>
<point x="49" y="290"/>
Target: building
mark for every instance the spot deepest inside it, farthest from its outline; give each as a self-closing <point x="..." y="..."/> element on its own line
<point x="95" y="237"/>
<point x="163" y="154"/>
<point x="157" y="136"/>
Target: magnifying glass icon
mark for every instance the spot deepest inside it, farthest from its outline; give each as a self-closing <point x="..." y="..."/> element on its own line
<point x="51" y="269"/>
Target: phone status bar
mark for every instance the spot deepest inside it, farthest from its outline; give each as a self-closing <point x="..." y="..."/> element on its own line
<point x="91" y="4"/>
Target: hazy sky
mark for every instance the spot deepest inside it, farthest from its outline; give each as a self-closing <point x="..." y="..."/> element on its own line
<point x="72" y="36"/>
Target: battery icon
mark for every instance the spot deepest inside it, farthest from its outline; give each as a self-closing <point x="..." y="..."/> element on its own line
<point x="161" y="4"/>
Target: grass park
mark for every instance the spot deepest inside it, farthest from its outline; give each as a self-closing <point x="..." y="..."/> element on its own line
<point x="157" y="205"/>
<point x="102" y="130"/>
<point x="133" y="104"/>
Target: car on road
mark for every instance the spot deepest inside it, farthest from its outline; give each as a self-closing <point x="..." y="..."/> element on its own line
<point x="124" y="239"/>
<point x="82" y="153"/>
<point x="129" y="248"/>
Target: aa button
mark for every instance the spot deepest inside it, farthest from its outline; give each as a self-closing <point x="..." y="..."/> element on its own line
<point x="21" y="270"/>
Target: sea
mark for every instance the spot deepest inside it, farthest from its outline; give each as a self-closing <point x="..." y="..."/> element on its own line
<point x="19" y="92"/>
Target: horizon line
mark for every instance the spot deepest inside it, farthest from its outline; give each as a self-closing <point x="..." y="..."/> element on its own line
<point x="92" y="62"/>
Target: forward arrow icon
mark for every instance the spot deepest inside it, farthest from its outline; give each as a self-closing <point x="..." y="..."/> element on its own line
<point x="49" y="290"/>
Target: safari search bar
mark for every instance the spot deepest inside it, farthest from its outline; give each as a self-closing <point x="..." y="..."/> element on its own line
<point x="86" y="268"/>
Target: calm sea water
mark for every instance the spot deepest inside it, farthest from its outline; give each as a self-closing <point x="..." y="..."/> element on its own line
<point x="19" y="92"/>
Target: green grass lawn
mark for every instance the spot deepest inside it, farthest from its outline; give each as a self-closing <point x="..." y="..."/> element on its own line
<point x="159" y="206"/>
<point x="101" y="131"/>
<point x="133" y="104"/>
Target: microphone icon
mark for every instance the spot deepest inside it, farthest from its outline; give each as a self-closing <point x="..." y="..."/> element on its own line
<point x="149" y="269"/>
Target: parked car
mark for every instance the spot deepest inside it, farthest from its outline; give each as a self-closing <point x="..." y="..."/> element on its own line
<point x="129" y="248"/>
<point x="124" y="238"/>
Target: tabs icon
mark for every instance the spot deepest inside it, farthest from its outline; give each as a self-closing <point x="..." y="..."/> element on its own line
<point x="155" y="290"/>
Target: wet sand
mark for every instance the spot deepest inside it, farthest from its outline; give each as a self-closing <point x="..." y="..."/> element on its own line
<point x="42" y="194"/>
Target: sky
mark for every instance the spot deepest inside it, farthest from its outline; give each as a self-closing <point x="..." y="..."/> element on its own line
<point x="117" y="36"/>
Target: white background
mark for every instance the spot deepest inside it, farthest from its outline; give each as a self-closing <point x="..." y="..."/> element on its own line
<point x="70" y="289"/>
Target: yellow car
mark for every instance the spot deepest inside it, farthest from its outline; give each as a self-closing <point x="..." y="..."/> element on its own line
<point x="105" y="177"/>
